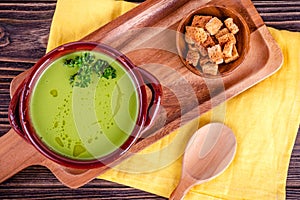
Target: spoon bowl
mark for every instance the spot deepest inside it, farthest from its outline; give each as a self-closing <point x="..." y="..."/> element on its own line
<point x="208" y="153"/>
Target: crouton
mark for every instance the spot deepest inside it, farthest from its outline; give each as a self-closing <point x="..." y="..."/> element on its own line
<point x="188" y="39"/>
<point x="227" y="50"/>
<point x="215" y="54"/>
<point x="234" y="56"/>
<point x="201" y="49"/>
<point x="192" y="57"/>
<point x="210" y="68"/>
<point x="200" y="21"/>
<point x="209" y="42"/>
<point x="197" y="34"/>
<point x="222" y="32"/>
<point x="204" y="60"/>
<point x="192" y="47"/>
<point x="228" y="37"/>
<point x="214" y="25"/>
<point x="231" y="25"/>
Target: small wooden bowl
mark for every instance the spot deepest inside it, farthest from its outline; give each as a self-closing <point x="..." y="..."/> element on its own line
<point x="242" y="37"/>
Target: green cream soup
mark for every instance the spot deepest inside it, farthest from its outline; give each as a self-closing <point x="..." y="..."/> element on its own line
<point x="83" y="123"/>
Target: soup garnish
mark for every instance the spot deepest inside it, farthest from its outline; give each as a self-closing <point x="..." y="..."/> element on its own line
<point x="87" y="64"/>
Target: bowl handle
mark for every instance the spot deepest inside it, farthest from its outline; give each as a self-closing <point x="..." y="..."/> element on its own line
<point x="156" y="90"/>
<point x="13" y="112"/>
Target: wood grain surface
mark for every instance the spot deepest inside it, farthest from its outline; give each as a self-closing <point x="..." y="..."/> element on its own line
<point x="24" y="29"/>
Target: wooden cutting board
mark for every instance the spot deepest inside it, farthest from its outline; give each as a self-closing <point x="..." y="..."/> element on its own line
<point x="146" y="35"/>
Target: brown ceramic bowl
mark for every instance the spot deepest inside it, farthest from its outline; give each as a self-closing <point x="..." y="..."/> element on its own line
<point x="242" y="38"/>
<point x="22" y="119"/>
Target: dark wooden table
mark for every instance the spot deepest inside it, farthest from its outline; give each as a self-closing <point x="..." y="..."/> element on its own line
<point x="24" y="29"/>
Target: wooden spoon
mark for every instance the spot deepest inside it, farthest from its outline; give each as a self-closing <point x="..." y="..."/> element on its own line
<point x="208" y="153"/>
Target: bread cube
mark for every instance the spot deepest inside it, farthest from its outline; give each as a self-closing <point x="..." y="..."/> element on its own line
<point x="231" y="25"/>
<point x="200" y="21"/>
<point x="227" y="38"/>
<point x="222" y="32"/>
<point x="215" y="54"/>
<point x="192" y="57"/>
<point x="234" y="56"/>
<point x="188" y="39"/>
<point x="197" y="34"/>
<point x="201" y="49"/>
<point x="209" y="42"/>
<point x="204" y="60"/>
<point x="214" y="25"/>
<point x="227" y="50"/>
<point x="210" y="68"/>
<point x="192" y="47"/>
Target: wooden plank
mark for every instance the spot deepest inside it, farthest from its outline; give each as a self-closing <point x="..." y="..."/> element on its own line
<point x="25" y="29"/>
<point x="8" y="70"/>
<point x="280" y="14"/>
<point x="47" y="186"/>
<point x="28" y="1"/>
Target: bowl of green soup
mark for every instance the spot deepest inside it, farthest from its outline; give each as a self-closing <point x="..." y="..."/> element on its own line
<point x="84" y="104"/>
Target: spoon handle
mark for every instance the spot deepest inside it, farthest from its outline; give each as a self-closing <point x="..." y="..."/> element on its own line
<point x="182" y="188"/>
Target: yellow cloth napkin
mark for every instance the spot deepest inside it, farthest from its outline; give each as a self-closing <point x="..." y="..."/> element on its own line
<point x="264" y="118"/>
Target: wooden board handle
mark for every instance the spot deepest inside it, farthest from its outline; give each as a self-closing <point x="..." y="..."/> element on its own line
<point x="15" y="155"/>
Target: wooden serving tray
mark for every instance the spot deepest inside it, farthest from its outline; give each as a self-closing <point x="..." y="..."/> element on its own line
<point x="146" y="35"/>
